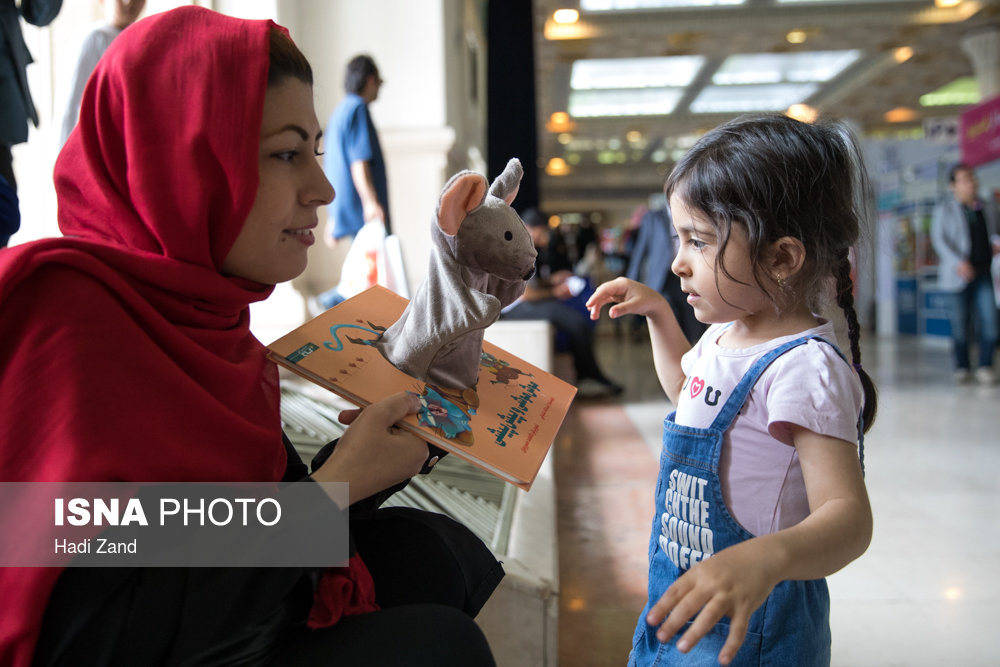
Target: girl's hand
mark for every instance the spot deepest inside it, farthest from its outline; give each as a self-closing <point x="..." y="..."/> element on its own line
<point x="733" y="583"/>
<point x="629" y="297"/>
<point x="374" y="454"/>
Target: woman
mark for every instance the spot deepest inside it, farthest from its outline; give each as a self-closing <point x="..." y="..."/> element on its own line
<point x="188" y="189"/>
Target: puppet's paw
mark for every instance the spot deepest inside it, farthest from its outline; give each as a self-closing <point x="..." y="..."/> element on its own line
<point x="471" y="397"/>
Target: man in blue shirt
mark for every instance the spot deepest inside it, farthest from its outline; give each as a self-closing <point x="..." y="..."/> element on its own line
<point x="353" y="162"/>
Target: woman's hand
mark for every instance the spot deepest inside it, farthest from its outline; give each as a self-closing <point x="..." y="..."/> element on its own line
<point x="629" y="297"/>
<point x="733" y="583"/>
<point x="374" y="454"/>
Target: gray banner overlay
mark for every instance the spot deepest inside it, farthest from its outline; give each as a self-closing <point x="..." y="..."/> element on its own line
<point x="59" y="524"/>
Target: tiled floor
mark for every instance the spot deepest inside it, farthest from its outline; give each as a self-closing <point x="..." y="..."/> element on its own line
<point x="927" y="592"/>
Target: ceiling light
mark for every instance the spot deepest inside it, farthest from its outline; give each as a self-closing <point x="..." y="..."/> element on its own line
<point x="625" y="5"/>
<point x="564" y="138"/>
<point x="959" y="92"/>
<point x="566" y="16"/>
<point x="796" y="37"/>
<point x="557" y="167"/>
<point x="739" y="99"/>
<point x="746" y="68"/>
<point x="560" y="122"/>
<point x="636" y="102"/>
<point x="902" y="54"/>
<point x="900" y="115"/>
<point x="803" y="112"/>
<point x="612" y="73"/>
<point x="945" y="4"/>
<point x="633" y="136"/>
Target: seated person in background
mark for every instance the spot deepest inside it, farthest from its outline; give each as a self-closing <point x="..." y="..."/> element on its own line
<point x="550" y="296"/>
<point x="188" y="190"/>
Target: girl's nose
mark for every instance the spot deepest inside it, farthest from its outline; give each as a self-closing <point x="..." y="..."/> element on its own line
<point x="678" y="267"/>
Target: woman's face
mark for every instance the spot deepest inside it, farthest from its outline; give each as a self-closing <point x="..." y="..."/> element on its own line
<point x="272" y="246"/>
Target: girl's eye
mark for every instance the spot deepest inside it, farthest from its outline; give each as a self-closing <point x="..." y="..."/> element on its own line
<point x="286" y="156"/>
<point x="696" y="244"/>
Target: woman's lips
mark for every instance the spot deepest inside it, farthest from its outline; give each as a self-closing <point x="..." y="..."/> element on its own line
<point x="303" y="235"/>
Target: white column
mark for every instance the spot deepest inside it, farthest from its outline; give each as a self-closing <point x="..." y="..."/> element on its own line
<point x="983" y="49"/>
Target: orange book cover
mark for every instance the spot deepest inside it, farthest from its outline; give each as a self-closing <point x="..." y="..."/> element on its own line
<point x="506" y="428"/>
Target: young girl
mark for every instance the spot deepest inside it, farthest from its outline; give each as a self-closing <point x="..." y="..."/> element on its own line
<point x="760" y="493"/>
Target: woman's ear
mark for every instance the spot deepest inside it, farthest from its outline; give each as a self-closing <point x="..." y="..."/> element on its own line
<point x="786" y="257"/>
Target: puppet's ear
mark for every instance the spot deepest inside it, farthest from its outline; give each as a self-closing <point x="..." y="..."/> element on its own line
<point x="463" y="193"/>
<point x="506" y="184"/>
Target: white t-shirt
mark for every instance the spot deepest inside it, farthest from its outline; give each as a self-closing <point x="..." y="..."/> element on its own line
<point x="810" y="386"/>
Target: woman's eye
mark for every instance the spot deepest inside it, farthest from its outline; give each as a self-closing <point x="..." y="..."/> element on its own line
<point x="286" y="156"/>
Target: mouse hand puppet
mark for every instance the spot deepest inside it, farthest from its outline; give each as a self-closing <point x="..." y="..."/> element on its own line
<point x="481" y="258"/>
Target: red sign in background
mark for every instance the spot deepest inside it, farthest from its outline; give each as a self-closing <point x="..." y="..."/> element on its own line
<point x="979" y="133"/>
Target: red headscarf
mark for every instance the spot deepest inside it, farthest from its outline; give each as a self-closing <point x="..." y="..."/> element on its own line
<point x="125" y="355"/>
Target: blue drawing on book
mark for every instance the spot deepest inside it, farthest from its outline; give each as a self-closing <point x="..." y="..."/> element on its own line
<point x="371" y="328"/>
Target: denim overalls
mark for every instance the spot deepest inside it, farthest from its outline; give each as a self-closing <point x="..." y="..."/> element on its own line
<point x="692" y="522"/>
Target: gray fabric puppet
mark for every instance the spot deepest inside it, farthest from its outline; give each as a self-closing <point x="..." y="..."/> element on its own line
<point x="481" y="259"/>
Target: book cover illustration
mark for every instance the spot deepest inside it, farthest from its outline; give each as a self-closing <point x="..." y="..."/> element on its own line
<point x="505" y="424"/>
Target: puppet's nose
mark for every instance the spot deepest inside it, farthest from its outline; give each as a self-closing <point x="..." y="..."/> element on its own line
<point x="531" y="272"/>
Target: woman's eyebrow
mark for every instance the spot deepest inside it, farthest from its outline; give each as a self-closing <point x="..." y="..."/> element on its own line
<point x="298" y="129"/>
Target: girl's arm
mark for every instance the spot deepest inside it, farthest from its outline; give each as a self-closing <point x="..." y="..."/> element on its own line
<point x="668" y="341"/>
<point x="736" y="581"/>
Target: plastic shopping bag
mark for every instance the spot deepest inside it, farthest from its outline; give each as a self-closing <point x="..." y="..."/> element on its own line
<point x="374" y="258"/>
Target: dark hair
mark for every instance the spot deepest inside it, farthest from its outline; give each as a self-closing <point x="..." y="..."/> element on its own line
<point x="775" y="177"/>
<point x="532" y="217"/>
<point x="358" y="70"/>
<point x="961" y="166"/>
<point x="286" y="61"/>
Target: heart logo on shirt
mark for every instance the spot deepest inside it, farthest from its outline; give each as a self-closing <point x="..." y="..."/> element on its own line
<point x="697" y="384"/>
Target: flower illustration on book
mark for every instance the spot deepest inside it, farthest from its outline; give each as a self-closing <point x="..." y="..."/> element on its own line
<point x="439" y="413"/>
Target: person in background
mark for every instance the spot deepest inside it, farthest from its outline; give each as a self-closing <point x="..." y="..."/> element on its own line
<point x="126" y="355"/>
<point x="964" y="234"/>
<point x="550" y="295"/>
<point x="17" y="107"/>
<point x="654" y="250"/>
<point x="10" y="214"/>
<point x="354" y="164"/>
<point x="118" y="15"/>
<point x="761" y="489"/>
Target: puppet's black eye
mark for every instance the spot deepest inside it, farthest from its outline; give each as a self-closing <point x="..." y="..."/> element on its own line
<point x="508" y="236"/>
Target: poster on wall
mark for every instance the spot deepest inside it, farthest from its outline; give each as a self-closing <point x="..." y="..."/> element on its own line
<point x="979" y="133"/>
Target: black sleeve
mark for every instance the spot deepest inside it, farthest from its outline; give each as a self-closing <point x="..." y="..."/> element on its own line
<point x="375" y="501"/>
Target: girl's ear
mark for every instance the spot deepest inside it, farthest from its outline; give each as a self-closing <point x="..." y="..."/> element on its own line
<point x="786" y="257"/>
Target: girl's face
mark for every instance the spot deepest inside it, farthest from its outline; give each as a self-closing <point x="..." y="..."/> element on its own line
<point x="715" y="297"/>
<point x="272" y="246"/>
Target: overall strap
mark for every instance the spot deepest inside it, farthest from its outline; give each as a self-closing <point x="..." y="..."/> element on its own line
<point x="739" y="395"/>
<point x="736" y="400"/>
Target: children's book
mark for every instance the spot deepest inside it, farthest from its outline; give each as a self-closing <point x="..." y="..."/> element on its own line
<point x="504" y="425"/>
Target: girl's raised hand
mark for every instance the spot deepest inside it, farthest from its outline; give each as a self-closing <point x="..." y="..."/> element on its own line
<point x="733" y="583"/>
<point x="629" y="297"/>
